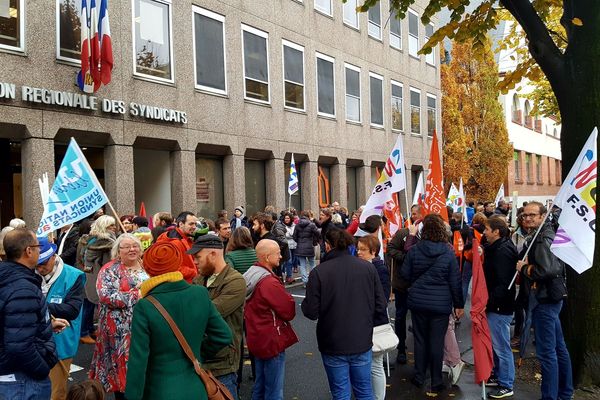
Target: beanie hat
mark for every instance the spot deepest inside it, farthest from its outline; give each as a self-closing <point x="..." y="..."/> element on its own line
<point x="47" y="250"/>
<point x="161" y="258"/>
<point x="241" y="209"/>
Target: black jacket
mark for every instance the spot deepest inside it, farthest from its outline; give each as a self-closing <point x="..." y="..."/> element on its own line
<point x="306" y="235"/>
<point x="344" y="293"/>
<point x="395" y="258"/>
<point x="384" y="278"/>
<point x="499" y="266"/>
<point x="433" y="273"/>
<point x="26" y="343"/>
<point x="69" y="251"/>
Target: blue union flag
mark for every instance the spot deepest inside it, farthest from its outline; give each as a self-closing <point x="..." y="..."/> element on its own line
<point x="293" y="182"/>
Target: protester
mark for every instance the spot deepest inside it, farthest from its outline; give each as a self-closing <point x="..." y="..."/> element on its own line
<point x="68" y="238"/>
<point x="118" y="290"/>
<point x="324" y="224"/>
<point x="3" y="233"/>
<point x="227" y="290"/>
<point x="182" y="235"/>
<point x="290" y="226"/>
<point x="262" y="225"/>
<point x="269" y="310"/>
<point x="344" y="294"/>
<point x="518" y="238"/>
<point x="157" y="367"/>
<point x="223" y="214"/>
<point x="17" y="223"/>
<point x="488" y="208"/>
<point x="126" y="221"/>
<point x="502" y="209"/>
<point x="435" y="291"/>
<point x="240" y="250"/>
<point x="343" y="215"/>
<point x="239" y="218"/>
<point x="142" y="232"/>
<point x="86" y="390"/>
<point x="336" y="221"/>
<point x="62" y="286"/>
<point x="223" y="230"/>
<point x="306" y="236"/>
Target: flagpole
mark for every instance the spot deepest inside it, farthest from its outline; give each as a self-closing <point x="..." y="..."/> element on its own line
<point x="407" y="206"/>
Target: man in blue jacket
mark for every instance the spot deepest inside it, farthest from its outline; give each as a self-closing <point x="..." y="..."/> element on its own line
<point x="27" y="350"/>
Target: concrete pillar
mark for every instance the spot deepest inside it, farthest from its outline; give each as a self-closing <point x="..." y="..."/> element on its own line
<point x="37" y="157"/>
<point x="363" y="184"/>
<point x="276" y="183"/>
<point x="183" y="181"/>
<point x="309" y="174"/>
<point x="234" y="180"/>
<point x="339" y="189"/>
<point x="119" y="181"/>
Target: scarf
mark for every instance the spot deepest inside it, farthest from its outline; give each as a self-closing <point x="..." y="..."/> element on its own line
<point x="153" y="282"/>
<point x="49" y="279"/>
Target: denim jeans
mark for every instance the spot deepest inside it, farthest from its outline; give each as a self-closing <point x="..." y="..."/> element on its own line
<point x="289" y="264"/>
<point x="87" y="318"/>
<point x="349" y="373"/>
<point x="557" y="377"/>
<point x="268" y="383"/>
<point x="230" y="382"/>
<point x="378" y="376"/>
<point x="26" y="388"/>
<point x="306" y="265"/>
<point x="400" y="299"/>
<point x="467" y="273"/>
<point x="504" y="362"/>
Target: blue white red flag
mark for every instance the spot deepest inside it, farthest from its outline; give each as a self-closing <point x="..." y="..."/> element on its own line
<point x="85" y="81"/>
<point x="293" y="182"/>
<point x="106" y="56"/>
<point x="96" y="46"/>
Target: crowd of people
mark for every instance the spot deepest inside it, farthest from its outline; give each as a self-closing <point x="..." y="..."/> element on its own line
<point x="140" y="291"/>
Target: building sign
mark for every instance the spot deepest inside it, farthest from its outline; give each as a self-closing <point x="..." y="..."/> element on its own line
<point x="85" y="102"/>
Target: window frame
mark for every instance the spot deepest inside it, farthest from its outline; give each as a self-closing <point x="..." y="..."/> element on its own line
<point x="528" y="167"/>
<point x="412" y="89"/>
<point x="401" y="86"/>
<point x="346" y="22"/>
<point x="371" y="123"/>
<point x="22" y="23"/>
<point x="330" y="59"/>
<point x="141" y="75"/>
<point x="432" y="54"/>
<point x="392" y="34"/>
<point x="217" y="17"/>
<point x="380" y="37"/>
<point x="356" y="69"/>
<point x="539" y="172"/>
<point x="300" y="48"/>
<point x="416" y="54"/>
<point x="67" y="60"/>
<point x="320" y="10"/>
<point x="264" y="35"/>
<point x="517" y="165"/>
<point x="434" y="97"/>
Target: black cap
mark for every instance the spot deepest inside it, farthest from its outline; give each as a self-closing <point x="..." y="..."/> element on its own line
<point x="207" y="241"/>
<point x="371" y="224"/>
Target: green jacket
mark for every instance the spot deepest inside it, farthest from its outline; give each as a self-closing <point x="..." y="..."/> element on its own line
<point x="241" y="260"/>
<point x="157" y="367"/>
<point x="228" y="293"/>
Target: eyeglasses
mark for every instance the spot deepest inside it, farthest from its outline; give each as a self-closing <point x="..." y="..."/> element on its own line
<point x="529" y="215"/>
<point x="134" y="246"/>
<point x="35" y="245"/>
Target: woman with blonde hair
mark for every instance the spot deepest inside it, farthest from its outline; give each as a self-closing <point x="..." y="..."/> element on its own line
<point x="118" y="287"/>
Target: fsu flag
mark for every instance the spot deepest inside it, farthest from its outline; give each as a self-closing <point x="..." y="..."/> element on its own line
<point x="435" y="199"/>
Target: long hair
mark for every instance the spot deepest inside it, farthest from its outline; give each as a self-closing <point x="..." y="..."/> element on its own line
<point x="434" y="229"/>
<point x="240" y="239"/>
<point x="100" y="226"/>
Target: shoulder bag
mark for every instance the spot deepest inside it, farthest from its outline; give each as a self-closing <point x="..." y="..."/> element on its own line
<point x="384" y="338"/>
<point x="214" y="388"/>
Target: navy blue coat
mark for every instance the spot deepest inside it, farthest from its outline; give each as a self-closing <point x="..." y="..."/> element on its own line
<point x="305" y="234"/>
<point x="26" y="343"/>
<point x="435" y="283"/>
<point x="381" y="318"/>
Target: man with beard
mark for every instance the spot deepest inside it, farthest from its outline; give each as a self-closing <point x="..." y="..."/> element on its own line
<point x="182" y="236"/>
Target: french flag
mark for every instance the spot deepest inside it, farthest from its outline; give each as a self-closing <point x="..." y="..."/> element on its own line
<point x="85" y="81"/>
<point x="96" y="46"/>
<point x="106" y="54"/>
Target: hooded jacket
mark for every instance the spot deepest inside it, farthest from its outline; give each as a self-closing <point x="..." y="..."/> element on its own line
<point x="306" y="235"/>
<point x="499" y="268"/>
<point x="95" y="255"/>
<point x="26" y="343"/>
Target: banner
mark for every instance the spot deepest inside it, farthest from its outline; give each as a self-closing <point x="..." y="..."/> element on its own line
<point x="461" y="206"/>
<point x="453" y="195"/>
<point x="574" y="241"/>
<point x="293" y="182"/>
<point x="392" y="180"/>
<point x="434" y="188"/>
<point x="75" y="194"/>
<point x="419" y="191"/>
<point x="499" y="195"/>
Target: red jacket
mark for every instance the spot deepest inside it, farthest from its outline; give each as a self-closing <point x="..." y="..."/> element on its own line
<point x="268" y="313"/>
<point x="177" y="237"/>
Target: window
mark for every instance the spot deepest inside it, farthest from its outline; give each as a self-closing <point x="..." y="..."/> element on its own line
<point x="376" y="92"/>
<point x="538" y="169"/>
<point x="12" y="25"/>
<point x="413" y="33"/>
<point x="323" y="6"/>
<point x="557" y="172"/>
<point x="352" y="93"/>
<point x="68" y="28"/>
<point x="528" y="117"/>
<point x="209" y="51"/>
<point x="256" y="64"/>
<point x="293" y="75"/>
<point x="350" y="14"/>
<point x="395" y="31"/>
<point x="375" y="21"/>
<point x="415" y="111"/>
<point x="528" y="167"/>
<point x="516" y="110"/>
<point x="325" y="85"/>
<point x="431" y="114"/>
<point x="429" y="58"/>
<point x="152" y="39"/>
<point x="517" y="161"/>
<point x="548" y="164"/>
<point x="397" y="105"/>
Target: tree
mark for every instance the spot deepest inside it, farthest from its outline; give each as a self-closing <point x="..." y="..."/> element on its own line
<point x="574" y="75"/>
<point x="475" y="140"/>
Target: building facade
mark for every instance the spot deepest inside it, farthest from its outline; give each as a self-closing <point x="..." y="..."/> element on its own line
<point x="208" y="100"/>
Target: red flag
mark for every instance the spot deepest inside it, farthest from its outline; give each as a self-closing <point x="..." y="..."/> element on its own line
<point x="391" y="211"/>
<point x="480" y="330"/>
<point x="142" y="210"/>
<point x="435" y="199"/>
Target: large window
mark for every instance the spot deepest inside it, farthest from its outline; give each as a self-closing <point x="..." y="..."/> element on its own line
<point x="413" y="33"/>
<point x="209" y="51"/>
<point x="395" y="31"/>
<point x="415" y="111"/>
<point x="352" y="93"/>
<point x="325" y="85"/>
<point x="68" y="28"/>
<point x="517" y="161"/>
<point x="528" y="171"/>
<point x="153" y="57"/>
<point x="516" y="110"/>
<point x="429" y="58"/>
<point x="538" y="169"/>
<point x="256" y="64"/>
<point x="376" y="92"/>
<point x="431" y="114"/>
<point x="397" y="119"/>
<point x="323" y="6"/>
<point x="375" y="21"/>
<point x="12" y="24"/>
<point x="293" y="75"/>
<point x="350" y="14"/>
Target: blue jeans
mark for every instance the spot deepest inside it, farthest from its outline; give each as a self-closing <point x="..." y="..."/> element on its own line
<point x="268" y="383"/>
<point x="467" y="273"/>
<point x="289" y="264"/>
<point x="303" y="263"/>
<point x="26" y="388"/>
<point x="230" y="382"/>
<point x="557" y="377"/>
<point x="504" y="362"/>
<point x="344" y="371"/>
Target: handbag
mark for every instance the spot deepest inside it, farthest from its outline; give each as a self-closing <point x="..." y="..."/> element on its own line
<point x="384" y="339"/>
<point x="214" y="388"/>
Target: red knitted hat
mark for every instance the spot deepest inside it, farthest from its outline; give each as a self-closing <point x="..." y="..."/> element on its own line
<point x="161" y="258"/>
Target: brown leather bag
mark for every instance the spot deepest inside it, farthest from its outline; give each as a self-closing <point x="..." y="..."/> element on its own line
<point x="214" y="388"/>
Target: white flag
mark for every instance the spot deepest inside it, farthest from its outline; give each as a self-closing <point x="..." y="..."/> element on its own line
<point x="499" y="195"/>
<point x="419" y="191"/>
<point x="453" y="195"/>
<point x="462" y="202"/>
<point x="293" y="182"/>
<point x="574" y="241"/>
<point x="392" y="180"/>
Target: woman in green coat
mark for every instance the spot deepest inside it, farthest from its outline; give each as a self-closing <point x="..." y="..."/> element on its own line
<point x="157" y="367"/>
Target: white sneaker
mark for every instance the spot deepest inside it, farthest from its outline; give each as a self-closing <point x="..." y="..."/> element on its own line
<point x="446" y="369"/>
<point x="456" y="371"/>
